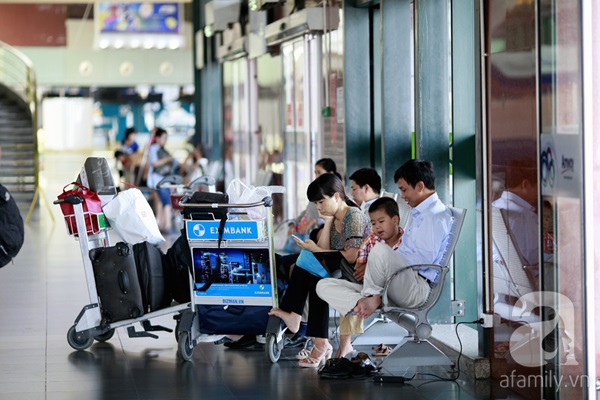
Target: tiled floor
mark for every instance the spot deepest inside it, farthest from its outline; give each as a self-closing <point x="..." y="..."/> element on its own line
<point x="42" y="293"/>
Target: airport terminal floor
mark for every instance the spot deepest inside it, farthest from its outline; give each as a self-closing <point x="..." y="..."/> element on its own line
<point x="42" y="293"/>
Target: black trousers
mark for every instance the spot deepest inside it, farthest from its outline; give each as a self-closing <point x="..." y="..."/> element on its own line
<point x="303" y="284"/>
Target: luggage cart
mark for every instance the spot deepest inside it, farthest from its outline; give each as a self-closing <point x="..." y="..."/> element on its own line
<point x="236" y="273"/>
<point x="178" y="191"/>
<point x="89" y="325"/>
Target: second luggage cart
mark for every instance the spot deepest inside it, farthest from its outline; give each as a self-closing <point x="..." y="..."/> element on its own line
<point x="234" y="281"/>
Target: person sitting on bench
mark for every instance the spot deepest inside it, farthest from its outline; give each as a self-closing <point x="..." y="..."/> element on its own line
<point x="424" y="239"/>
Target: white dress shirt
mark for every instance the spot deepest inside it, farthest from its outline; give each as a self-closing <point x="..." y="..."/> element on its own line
<point x="426" y="235"/>
<point x="523" y="224"/>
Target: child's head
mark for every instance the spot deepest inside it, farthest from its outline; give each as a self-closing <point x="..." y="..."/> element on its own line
<point x="385" y="218"/>
<point x="130" y="135"/>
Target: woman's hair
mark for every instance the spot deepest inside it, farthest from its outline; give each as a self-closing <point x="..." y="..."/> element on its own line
<point x="159" y="132"/>
<point x="327" y="185"/>
<point x="328" y="165"/>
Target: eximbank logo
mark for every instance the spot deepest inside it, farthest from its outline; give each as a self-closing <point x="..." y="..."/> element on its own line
<point x="548" y="169"/>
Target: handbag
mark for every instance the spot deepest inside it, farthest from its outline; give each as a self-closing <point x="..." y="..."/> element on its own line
<point x="92" y="209"/>
<point x="130" y="215"/>
<point x="165" y="169"/>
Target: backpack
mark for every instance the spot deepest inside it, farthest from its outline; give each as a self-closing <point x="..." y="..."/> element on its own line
<point x="12" y="232"/>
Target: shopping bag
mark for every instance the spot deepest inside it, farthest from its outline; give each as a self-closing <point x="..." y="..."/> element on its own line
<point x="130" y="215"/>
<point x="308" y="262"/>
<point x="92" y="209"/>
<point x="240" y="193"/>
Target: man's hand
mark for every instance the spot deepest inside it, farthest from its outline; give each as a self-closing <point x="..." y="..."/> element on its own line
<point x="359" y="271"/>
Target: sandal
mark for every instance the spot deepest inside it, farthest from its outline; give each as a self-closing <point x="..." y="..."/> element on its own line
<point x="382" y="350"/>
<point x="318" y="359"/>
<point x="305" y="352"/>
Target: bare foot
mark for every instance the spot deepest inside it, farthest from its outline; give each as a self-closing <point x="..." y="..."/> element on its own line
<point x="345" y="346"/>
<point x="291" y="320"/>
<point x="367" y="306"/>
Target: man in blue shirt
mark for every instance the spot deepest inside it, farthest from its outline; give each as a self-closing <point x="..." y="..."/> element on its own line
<point x="425" y="238"/>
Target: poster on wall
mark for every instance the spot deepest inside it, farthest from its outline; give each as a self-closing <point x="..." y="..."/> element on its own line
<point x="120" y="17"/>
<point x="560" y="165"/>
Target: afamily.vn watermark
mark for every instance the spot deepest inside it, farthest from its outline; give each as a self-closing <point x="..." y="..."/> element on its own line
<point x="543" y="337"/>
<point x="547" y="380"/>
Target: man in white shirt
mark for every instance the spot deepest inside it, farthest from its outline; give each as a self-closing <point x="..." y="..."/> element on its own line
<point x="517" y="199"/>
<point x="365" y="185"/>
<point x="424" y="241"/>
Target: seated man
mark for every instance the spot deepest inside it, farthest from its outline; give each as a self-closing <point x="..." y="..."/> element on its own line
<point x="366" y="186"/>
<point x="423" y="242"/>
<point x="385" y="218"/>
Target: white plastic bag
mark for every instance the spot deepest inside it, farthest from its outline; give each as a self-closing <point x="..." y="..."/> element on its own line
<point x="130" y="215"/>
<point x="240" y="193"/>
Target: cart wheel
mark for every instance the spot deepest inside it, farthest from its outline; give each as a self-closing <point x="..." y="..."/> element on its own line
<point x="185" y="346"/>
<point x="273" y="352"/>
<point x="76" y="342"/>
<point x="177" y="331"/>
<point x="105" y="336"/>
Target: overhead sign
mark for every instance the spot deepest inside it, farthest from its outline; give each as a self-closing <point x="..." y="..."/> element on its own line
<point x="121" y="17"/>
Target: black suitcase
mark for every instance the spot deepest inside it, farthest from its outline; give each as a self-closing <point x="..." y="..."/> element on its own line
<point x="117" y="282"/>
<point x="148" y="260"/>
<point x="238" y="320"/>
<point x="177" y="264"/>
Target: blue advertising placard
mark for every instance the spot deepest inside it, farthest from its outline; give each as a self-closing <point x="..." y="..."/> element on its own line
<point x="138" y="17"/>
<point x="234" y="230"/>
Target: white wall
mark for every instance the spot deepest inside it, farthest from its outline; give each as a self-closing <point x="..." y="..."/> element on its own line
<point x="80" y="64"/>
<point x="67" y="123"/>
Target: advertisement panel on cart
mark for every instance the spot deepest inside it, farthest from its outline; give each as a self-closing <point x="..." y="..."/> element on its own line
<point x="240" y="275"/>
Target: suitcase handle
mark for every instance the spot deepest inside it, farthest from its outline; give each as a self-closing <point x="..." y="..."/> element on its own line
<point x="124" y="283"/>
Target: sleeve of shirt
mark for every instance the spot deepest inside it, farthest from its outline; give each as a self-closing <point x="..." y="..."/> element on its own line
<point x="354" y="228"/>
<point x="152" y="155"/>
<point x="363" y="251"/>
<point x="433" y="230"/>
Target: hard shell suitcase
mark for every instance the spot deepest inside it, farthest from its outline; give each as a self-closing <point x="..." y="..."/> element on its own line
<point x="117" y="282"/>
<point x="148" y="260"/>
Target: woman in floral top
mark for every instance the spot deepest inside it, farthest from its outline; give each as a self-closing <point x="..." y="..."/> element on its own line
<point x="344" y="230"/>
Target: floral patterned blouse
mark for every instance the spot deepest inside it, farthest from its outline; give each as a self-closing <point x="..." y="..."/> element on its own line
<point x="355" y="228"/>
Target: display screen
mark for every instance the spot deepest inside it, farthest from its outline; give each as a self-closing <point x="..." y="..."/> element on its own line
<point x="239" y="276"/>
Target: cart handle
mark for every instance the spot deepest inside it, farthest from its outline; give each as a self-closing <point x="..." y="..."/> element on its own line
<point x="203" y="180"/>
<point x="72" y="199"/>
<point x="266" y="202"/>
<point x="170" y="180"/>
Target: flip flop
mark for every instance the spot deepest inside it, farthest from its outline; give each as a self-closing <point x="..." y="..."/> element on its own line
<point x="382" y="350"/>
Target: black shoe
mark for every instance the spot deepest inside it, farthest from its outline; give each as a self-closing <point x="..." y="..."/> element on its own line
<point x="337" y="368"/>
<point x="223" y="340"/>
<point x="363" y="366"/>
<point x="295" y="341"/>
<point x="241" y="343"/>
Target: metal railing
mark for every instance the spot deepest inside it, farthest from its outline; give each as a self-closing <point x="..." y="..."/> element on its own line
<point x="17" y="73"/>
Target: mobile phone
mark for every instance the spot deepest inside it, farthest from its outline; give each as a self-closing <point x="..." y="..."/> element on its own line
<point x="296" y="237"/>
